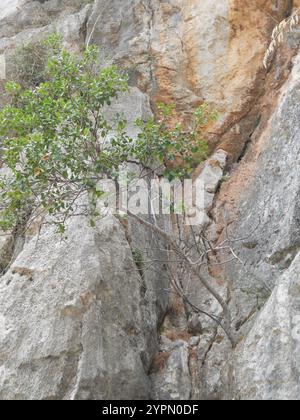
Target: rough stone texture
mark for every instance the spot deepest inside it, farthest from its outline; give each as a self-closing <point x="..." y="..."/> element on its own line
<point x="96" y="305"/>
<point x="267" y="364"/>
<point x="188" y="52"/>
<point x="271" y="346"/>
<point x="172" y="380"/>
<point x="264" y="191"/>
<point x="8" y="7"/>
<point x="170" y="371"/>
<point x="185" y="52"/>
<point x="78" y="319"/>
<point x="28" y="15"/>
<point x="262" y="194"/>
<point x="83" y="326"/>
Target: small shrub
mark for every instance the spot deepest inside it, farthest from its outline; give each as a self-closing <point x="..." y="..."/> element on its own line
<point x="138" y="259"/>
<point x="28" y="64"/>
<point x="58" y="144"/>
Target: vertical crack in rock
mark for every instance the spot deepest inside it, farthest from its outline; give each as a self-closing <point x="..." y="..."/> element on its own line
<point x="150" y="11"/>
<point x="80" y="320"/>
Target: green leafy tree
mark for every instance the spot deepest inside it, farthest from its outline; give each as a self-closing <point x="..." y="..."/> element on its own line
<point x="57" y="143"/>
<point x="180" y="146"/>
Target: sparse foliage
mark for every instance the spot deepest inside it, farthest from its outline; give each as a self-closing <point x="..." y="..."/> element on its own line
<point x="138" y="259"/>
<point x="57" y="141"/>
<point x="28" y="64"/>
<point x="179" y="147"/>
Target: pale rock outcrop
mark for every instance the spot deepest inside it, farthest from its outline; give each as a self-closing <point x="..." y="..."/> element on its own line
<point x="185" y="52"/>
<point x="6" y="240"/>
<point x="79" y="330"/>
<point x="264" y="192"/>
<point x="96" y="304"/>
<point x="78" y="318"/>
<point x="9" y="6"/>
<point x="171" y="380"/>
<point x="266" y="365"/>
<point x="6" y="250"/>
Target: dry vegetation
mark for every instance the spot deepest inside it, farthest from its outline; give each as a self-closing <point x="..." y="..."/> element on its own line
<point x="279" y="34"/>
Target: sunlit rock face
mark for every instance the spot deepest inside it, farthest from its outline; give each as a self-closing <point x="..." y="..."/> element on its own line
<point x="77" y="319"/>
<point x="267" y="364"/>
<point x="178" y="51"/>
<point x="188" y="52"/>
<point x="264" y="194"/>
<point x="9" y="6"/>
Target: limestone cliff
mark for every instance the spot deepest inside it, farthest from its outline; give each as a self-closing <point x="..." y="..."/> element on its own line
<point x="77" y="319"/>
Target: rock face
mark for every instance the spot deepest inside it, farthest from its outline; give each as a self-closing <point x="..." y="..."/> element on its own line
<point x="215" y="42"/>
<point x="87" y="340"/>
<point x="79" y="319"/>
<point x="267" y="363"/>
<point x="266" y="193"/>
<point x="275" y="333"/>
<point x="171" y="376"/>
<point x="97" y="303"/>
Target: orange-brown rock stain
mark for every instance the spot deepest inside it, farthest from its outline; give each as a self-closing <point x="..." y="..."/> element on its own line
<point x="237" y="78"/>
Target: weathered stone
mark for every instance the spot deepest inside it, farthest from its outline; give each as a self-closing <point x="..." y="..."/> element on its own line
<point x="78" y="318"/>
<point x="73" y="339"/>
<point x="6" y="250"/>
<point x="195" y="325"/>
<point x="265" y="191"/>
<point x="171" y="377"/>
<point x="267" y="364"/>
<point x="8" y="7"/>
<point x="214" y="43"/>
<point x="265" y="194"/>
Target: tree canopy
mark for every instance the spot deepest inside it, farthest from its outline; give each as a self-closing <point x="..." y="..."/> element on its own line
<point x="57" y="143"/>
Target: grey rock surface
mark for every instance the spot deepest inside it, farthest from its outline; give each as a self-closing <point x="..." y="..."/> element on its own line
<point x="266" y="365"/>
<point x="91" y="309"/>
<point x="269" y="206"/>
<point x="172" y="380"/>
<point x="264" y="301"/>
<point x="79" y="319"/>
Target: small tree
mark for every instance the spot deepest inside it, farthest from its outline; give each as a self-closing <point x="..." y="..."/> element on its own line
<point x="57" y="142"/>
